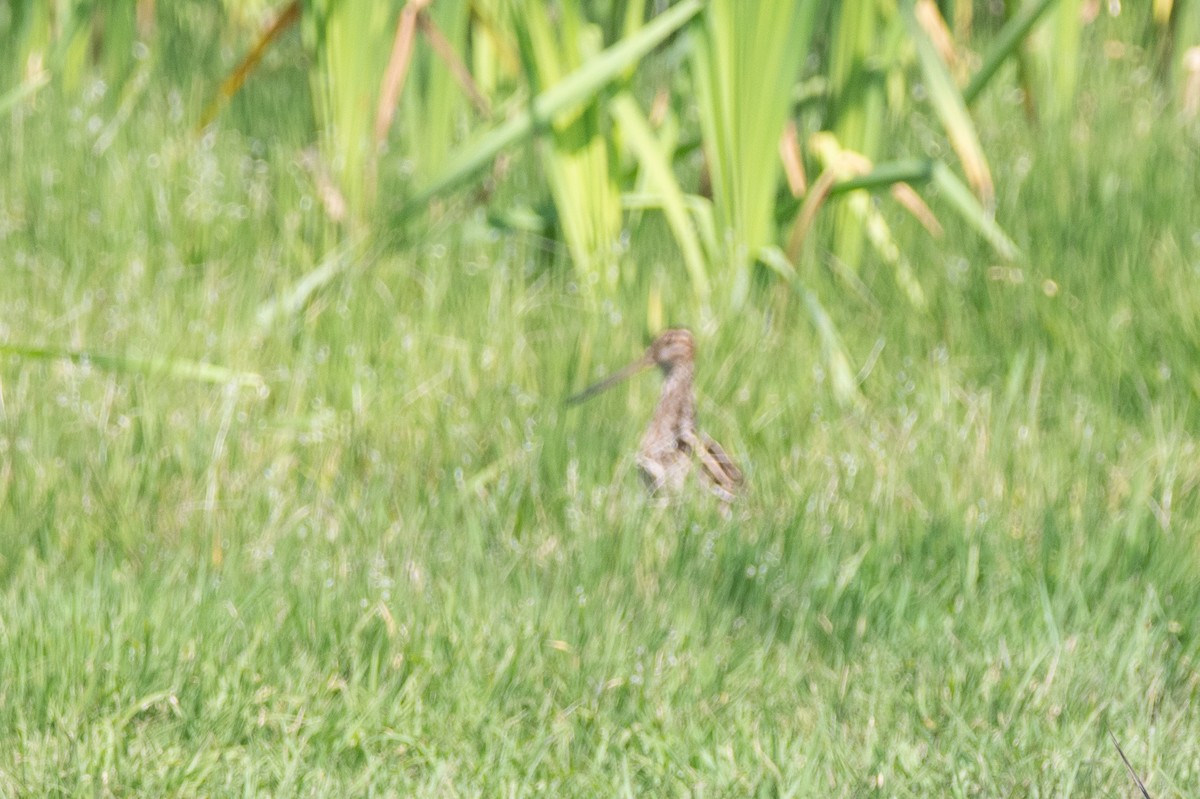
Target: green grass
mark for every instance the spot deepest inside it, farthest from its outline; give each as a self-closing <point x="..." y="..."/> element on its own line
<point x="409" y="570"/>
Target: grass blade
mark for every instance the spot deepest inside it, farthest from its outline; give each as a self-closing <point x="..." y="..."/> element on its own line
<point x="180" y="368"/>
<point x="290" y="302"/>
<point x="1138" y="780"/>
<point x="23" y="90"/>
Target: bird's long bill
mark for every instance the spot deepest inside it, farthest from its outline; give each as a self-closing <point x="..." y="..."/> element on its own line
<point x="624" y="373"/>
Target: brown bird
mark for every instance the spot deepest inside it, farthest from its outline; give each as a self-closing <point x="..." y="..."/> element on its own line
<point x="664" y="457"/>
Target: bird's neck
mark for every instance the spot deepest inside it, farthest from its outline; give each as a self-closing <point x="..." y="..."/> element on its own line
<point x="678" y="374"/>
<point x="676" y="398"/>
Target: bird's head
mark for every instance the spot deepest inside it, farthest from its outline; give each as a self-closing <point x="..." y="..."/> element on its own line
<point x="672" y="348"/>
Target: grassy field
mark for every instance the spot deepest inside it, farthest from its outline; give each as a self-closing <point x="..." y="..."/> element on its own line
<point x="404" y="568"/>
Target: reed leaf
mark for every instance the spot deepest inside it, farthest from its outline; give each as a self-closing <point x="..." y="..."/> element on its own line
<point x="746" y="60"/>
<point x="1062" y="57"/>
<point x="349" y="41"/>
<point x="840" y="163"/>
<point x="857" y="105"/>
<point x="660" y="180"/>
<point x="951" y="109"/>
<point x="968" y="207"/>
<point x="577" y="161"/>
<point x="396" y="74"/>
<point x="1007" y="43"/>
<point x="573" y="91"/>
<point x="234" y="81"/>
<point x="434" y="104"/>
<point x="919" y="171"/>
<point x="833" y="352"/>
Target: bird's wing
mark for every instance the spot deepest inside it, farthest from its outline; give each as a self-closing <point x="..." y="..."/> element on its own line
<point x="718" y="466"/>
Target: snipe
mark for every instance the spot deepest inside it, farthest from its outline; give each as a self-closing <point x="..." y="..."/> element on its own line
<point x="665" y="455"/>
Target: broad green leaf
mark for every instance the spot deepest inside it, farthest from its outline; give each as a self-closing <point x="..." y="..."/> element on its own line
<point x="349" y="41"/>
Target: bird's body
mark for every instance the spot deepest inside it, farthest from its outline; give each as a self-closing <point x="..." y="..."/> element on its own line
<point x="665" y="454"/>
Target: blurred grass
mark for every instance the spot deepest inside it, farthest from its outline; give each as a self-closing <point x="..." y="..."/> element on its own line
<point x="433" y="579"/>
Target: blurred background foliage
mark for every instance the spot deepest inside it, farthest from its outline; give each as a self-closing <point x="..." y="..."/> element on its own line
<point x="768" y="134"/>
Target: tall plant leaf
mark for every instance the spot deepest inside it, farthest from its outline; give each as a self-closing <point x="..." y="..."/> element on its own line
<point x="747" y="56"/>
<point x="1007" y="43"/>
<point x="574" y="90"/>
<point x="349" y="41"/>
<point x="833" y="352"/>
<point x="948" y="104"/>
<point x="229" y="86"/>
<point x="969" y="208"/>
<point x="577" y="160"/>
<point x="857" y="107"/>
<point x="434" y="104"/>
<point x="1062" y="57"/>
<point x="660" y="180"/>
